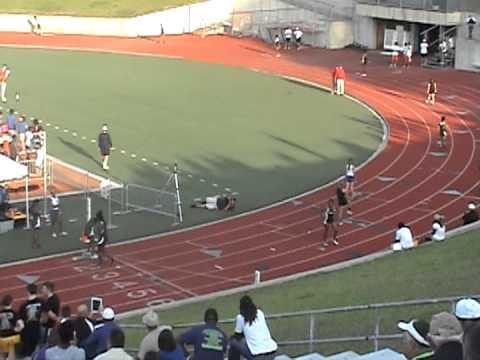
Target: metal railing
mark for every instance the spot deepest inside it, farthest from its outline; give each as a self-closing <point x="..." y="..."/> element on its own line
<point x="427" y="5"/>
<point x="314" y="330"/>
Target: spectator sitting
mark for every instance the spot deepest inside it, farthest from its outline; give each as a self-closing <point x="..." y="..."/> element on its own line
<point x="83" y="325"/>
<point x="471" y="344"/>
<point x="415" y="342"/>
<point x="217" y="202"/>
<point x="252" y="326"/>
<point x="209" y="342"/>
<point x="438" y="229"/>
<point x="168" y="348"/>
<point x="467" y="312"/>
<point x="65" y="350"/>
<point x="97" y="342"/>
<point x="4" y="200"/>
<point x="471" y="215"/>
<point x="403" y="238"/>
<point x="116" y="343"/>
<point x="444" y="328"/>
<point x="9" y="328"/>
<point x="449" y="351"/>
<point x="150" y="341"/>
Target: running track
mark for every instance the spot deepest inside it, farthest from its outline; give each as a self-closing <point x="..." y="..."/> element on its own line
<point x="284" y="240"/>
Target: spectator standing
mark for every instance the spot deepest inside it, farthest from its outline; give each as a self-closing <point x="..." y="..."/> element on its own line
<point x="105" y="145"/>
<point x="4" y="199"/>
<point x="50" y="309"/>
<point x="471" y="215"/>
<point x="467" y="312"/>
<point x="4" y="76"/>
<point x="29" y="313"/>
<point x="116" y="344"/>
<point x="415" y="344"/>
<point x="83" y="325"/>
<point x="251" y="325"/>
<point x="471" y="22"/>
<point x="277" y="43"/>
<point x="8" y="327"/>
<point x="168" y="348"/>
<point x="65" y="350"/>
<point x="424" y="51"/>
<point x="340" y="80"/>
<point x="101" y="237"/>
<point x="288" y="33"/>
<point x="395" y="54"/>
<point x="56" y="216"/>
<point x="22" y="128"/>
<point x="431" y="92"/>
<point x="12" y="121"/>
<point x="298" y="37"/>
<point x="364" y="63"/>
<point x="443" y="131"/>
<point x="97" y="342"/>
<point x="403" y="237"/>
<point x="150" y="341"/>
<point x="471" y="344"/>
<point x="342" y="201"/>
<point x="209" y="342"/>
<point x="5" y="137"/>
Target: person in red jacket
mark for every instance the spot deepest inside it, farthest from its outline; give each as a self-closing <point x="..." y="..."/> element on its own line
<point x="340" y="80"/>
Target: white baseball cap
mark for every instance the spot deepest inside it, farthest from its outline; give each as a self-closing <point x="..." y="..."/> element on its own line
<point x="417" y="329"/>
<point x="471" y="206"/>
<point x="108" y="314"/>
<point x="105" y="128"/>
<point x="467" y="309"/>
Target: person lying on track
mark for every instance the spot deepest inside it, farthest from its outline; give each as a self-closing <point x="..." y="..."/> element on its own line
<point x="217" y="202"/>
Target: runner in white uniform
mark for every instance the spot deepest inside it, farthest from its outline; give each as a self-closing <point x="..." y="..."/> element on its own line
<point x="350" y="178"/>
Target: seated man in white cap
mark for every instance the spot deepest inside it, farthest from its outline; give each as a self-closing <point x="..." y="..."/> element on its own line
<point x="471" y="215"/>
<point x="415" y="343"/>
<point x="150" y="341"/>
<point x="97" y="342"/>
<point x="468" y="312"/>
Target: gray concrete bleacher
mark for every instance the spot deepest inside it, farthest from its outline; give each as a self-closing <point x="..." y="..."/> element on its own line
<point x="385" y="354"/>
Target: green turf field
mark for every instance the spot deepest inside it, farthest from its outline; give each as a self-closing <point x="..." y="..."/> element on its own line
<point x="108" y="8"/>
<point x="260" y="136"/>
<point x="437" y="270"/>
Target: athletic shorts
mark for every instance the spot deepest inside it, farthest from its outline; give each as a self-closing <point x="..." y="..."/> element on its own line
<point x="350" y="178"/>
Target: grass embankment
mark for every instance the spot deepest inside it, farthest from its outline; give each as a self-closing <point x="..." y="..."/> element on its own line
<point x="439" y="270"/>
<point x="103" y="8"/>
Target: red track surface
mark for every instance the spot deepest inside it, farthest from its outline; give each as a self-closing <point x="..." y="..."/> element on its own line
<point x="279" y="239"/>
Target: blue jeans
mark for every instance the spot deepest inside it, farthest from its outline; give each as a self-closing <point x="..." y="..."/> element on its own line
<point x="237" y="348"/>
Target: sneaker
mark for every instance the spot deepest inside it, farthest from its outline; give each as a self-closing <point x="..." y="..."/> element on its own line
<point x="325" y="244"/>
<point x="349" y="212"/>
<point x="322" y="248"/>
<point x="54" y="235"/>
<point x="340" y="223"/>
<point x="63" y="233"/>
<point x="335" y="242"/>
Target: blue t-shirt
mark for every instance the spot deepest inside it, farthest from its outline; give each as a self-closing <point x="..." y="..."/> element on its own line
<point x="210" y="343"/>
<point x="11" y="122"/>
<point x="176" y="354"/>
<point x="22" y="127"/>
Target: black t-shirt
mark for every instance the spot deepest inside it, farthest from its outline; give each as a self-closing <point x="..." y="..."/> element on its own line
<point x="470" y="217"/>
<point x="51" y="304"/>
<point x="82" y="329"/>
<point x="8" y="320"/>
<point x="341" y="197"/>
<point x="222" y="202"/>
<point x="30" y="313"/>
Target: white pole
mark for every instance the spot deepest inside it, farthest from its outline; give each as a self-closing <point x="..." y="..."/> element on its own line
<point x="27" y="210"/>
<point x="179" y="201"/>
<point x="89" y="207"/>
<point x="44" y="165"/>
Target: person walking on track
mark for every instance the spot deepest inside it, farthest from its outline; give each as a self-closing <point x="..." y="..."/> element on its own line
<point x="105" y="145"/>
<point x="342" y="201"/>
<point x="350" y="179"/>
<point x="35" y="215"/>
<point x="101" y="238"/>
<point x="329" y="224"/>
<point x="56" y="216"/>
<point x="4" y="75"/>
<point x="443" y="128"/>
<point x="431" y="92"/>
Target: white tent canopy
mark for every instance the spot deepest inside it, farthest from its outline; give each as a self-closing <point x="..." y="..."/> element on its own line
<point x="11" y="170"/>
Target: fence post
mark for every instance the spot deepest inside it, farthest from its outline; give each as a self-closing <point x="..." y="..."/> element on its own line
<point x="376" y="331"/>
<point x="311" y="335"/>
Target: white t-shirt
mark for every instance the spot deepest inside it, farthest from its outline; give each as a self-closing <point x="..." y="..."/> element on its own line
<point x="438" y="231"/>
<point x="405" y="237"/>
<point x="298" y="34"/>
<point x="424" y="48"/>
<point x="288" y="33"/>
<point x="257" y="335"/>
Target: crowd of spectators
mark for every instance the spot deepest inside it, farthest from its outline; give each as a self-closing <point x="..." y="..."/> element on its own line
<point x="19" y="139"/>
<point x="42" y="329"/>
<point x="447" y="337"/>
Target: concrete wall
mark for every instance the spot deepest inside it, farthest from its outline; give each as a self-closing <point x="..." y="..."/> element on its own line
<point x="467" y="53"/>
<point x="365" y="31"/>
<point x="409" y="15"/>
